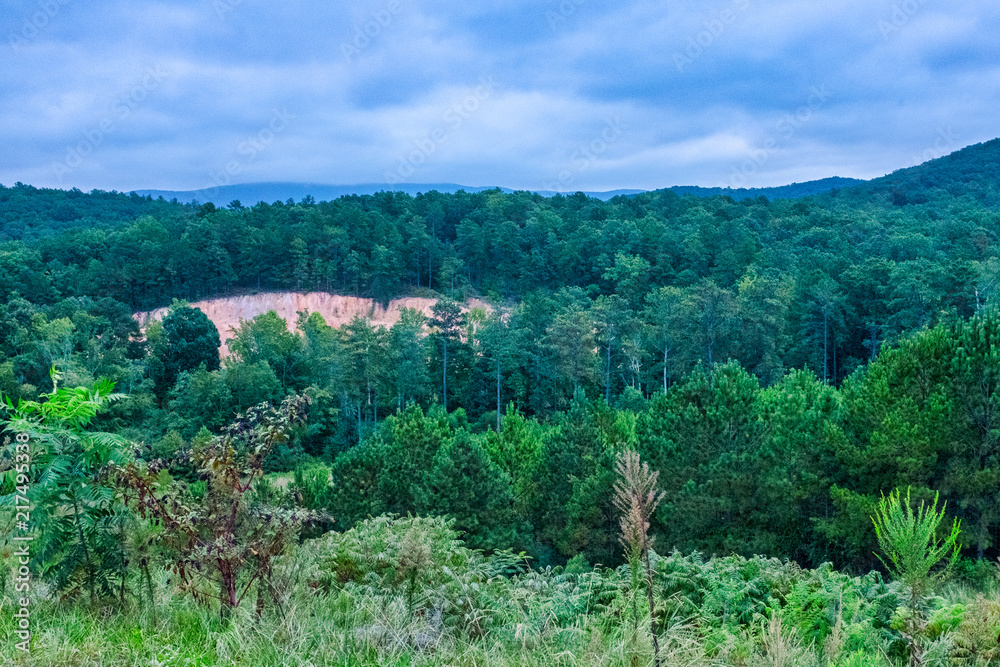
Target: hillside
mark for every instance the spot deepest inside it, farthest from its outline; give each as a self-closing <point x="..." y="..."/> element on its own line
<point x="972" y="172"/>
<point x="791" y="191"/>
<point x="253" y="193"/>
<point x="28" y="213"/>
<point x="227" y="312"/>
<point x="249" y="194"/>
<point x="781" y="363"/>
<point x="856" y="269"/>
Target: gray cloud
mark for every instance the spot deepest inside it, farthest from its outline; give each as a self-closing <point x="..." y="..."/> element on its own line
<point x="179" y="94"/>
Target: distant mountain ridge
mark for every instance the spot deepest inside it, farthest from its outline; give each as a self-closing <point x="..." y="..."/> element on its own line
<point x="249" y="194"/>
<point x="973" y="171"/>
<point x="790" y="191"/>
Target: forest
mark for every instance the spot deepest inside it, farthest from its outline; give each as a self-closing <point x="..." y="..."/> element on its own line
<point x="753" y="381"/>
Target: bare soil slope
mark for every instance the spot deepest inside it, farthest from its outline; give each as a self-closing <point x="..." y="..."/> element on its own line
<point x="226" y="313"/>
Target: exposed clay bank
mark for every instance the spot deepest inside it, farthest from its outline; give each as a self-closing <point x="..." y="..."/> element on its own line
<point x="226" y="313"/>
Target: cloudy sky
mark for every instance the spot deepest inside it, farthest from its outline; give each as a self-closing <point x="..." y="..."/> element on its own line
<point x="546" y="94"/>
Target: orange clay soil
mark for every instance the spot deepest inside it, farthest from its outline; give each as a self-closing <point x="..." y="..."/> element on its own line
<point x="337" y="310"/>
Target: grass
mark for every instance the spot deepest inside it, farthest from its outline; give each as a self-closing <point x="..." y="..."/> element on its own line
<point x="348" y="600"/>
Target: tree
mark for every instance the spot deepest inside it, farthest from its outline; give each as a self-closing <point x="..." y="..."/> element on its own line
<point x="385" y="274"/>
<point x="824" y="307"/>
<point x="798" y="460"/>
<point x="267" y="338"/>
<point x="924" y="414"/>
<point x="664" y="318"/>
<point x="516" y="449"/>
<point x="199" y="398"/>
<point x="572" y="338"/>
<point x="324" y="352"/>
<point x="250" y="384"/>
<point x="300" y="258"/>
<point x="356" y="476"/>
<point x="369" y="359"/>
<point x="409" y="357"/>
<point x="916" y="296"/>
<point x="446" y="323"/>
<point x="700" y="435"/>
<point x="971" y="375"/>
<point x="909" y="540"/>
<point x="188" y="340"/>
<point x="763" y="301"/>
<point x="222" y="544"/>
<point x="629" y="275"/>
<point x="463" y="483"/>
<point x="388" y="471"/>
<point x="710" y="314"/>
<point x="613" y="321"/>
<point x="499" y="339"/>
<point x="574" y="512"/>
<point x="79" y="515"/>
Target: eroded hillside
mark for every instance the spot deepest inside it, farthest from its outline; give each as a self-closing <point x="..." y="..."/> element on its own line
<point x="226" y="313"/>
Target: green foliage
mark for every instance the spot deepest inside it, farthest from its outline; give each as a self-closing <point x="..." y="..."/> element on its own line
<point x="407" y="590"/>
<point x="464" y="483"/>
<point x="976" y="638"/>
<point x="188" y="340"/>
<point x="222" y="543"/>
<point x="684" y="313"/>
<point x="418" y="463"/>
<point x="312" y="485"/>
<point x="398" y="551"/>
<point x="266" y="340"/>
<point x="910" y="542"/>
<point x="76" y="513"/>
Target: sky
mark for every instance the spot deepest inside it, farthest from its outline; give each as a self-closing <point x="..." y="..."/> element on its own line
<point x="544" y="95"/>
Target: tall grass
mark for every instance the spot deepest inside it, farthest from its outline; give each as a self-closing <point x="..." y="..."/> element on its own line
<point x="405" y="591"/>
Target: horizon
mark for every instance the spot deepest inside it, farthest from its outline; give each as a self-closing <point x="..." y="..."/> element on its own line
<point x="407" y="187"/>
<point x="565" y="96"/>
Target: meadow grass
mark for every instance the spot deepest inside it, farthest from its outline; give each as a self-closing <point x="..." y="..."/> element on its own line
<point x="347" y="600"/>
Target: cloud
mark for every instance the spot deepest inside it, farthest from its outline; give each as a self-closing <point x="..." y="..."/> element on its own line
<point x="697" y="88"/>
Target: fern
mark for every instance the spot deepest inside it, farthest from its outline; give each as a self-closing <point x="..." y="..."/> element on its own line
<point x="80" y="546"/>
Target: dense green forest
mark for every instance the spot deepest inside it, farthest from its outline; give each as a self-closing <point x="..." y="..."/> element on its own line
<point x="781" y="364"/>
<point x="732" y="342"/>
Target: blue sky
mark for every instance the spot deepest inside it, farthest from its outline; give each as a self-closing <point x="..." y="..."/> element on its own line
<point x="557" y="94"/>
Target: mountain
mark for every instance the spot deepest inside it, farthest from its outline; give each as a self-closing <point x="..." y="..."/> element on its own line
<point x="973" y="171"/>
<point x="252" y="193"/>
<point x="791" y="191"/>
<point x="249" y="194"/>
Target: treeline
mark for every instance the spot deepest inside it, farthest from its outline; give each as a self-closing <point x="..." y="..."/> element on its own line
<point x="791" y="469"/>
<point x="760" y="354"/>
<point x="819" y="282"/>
